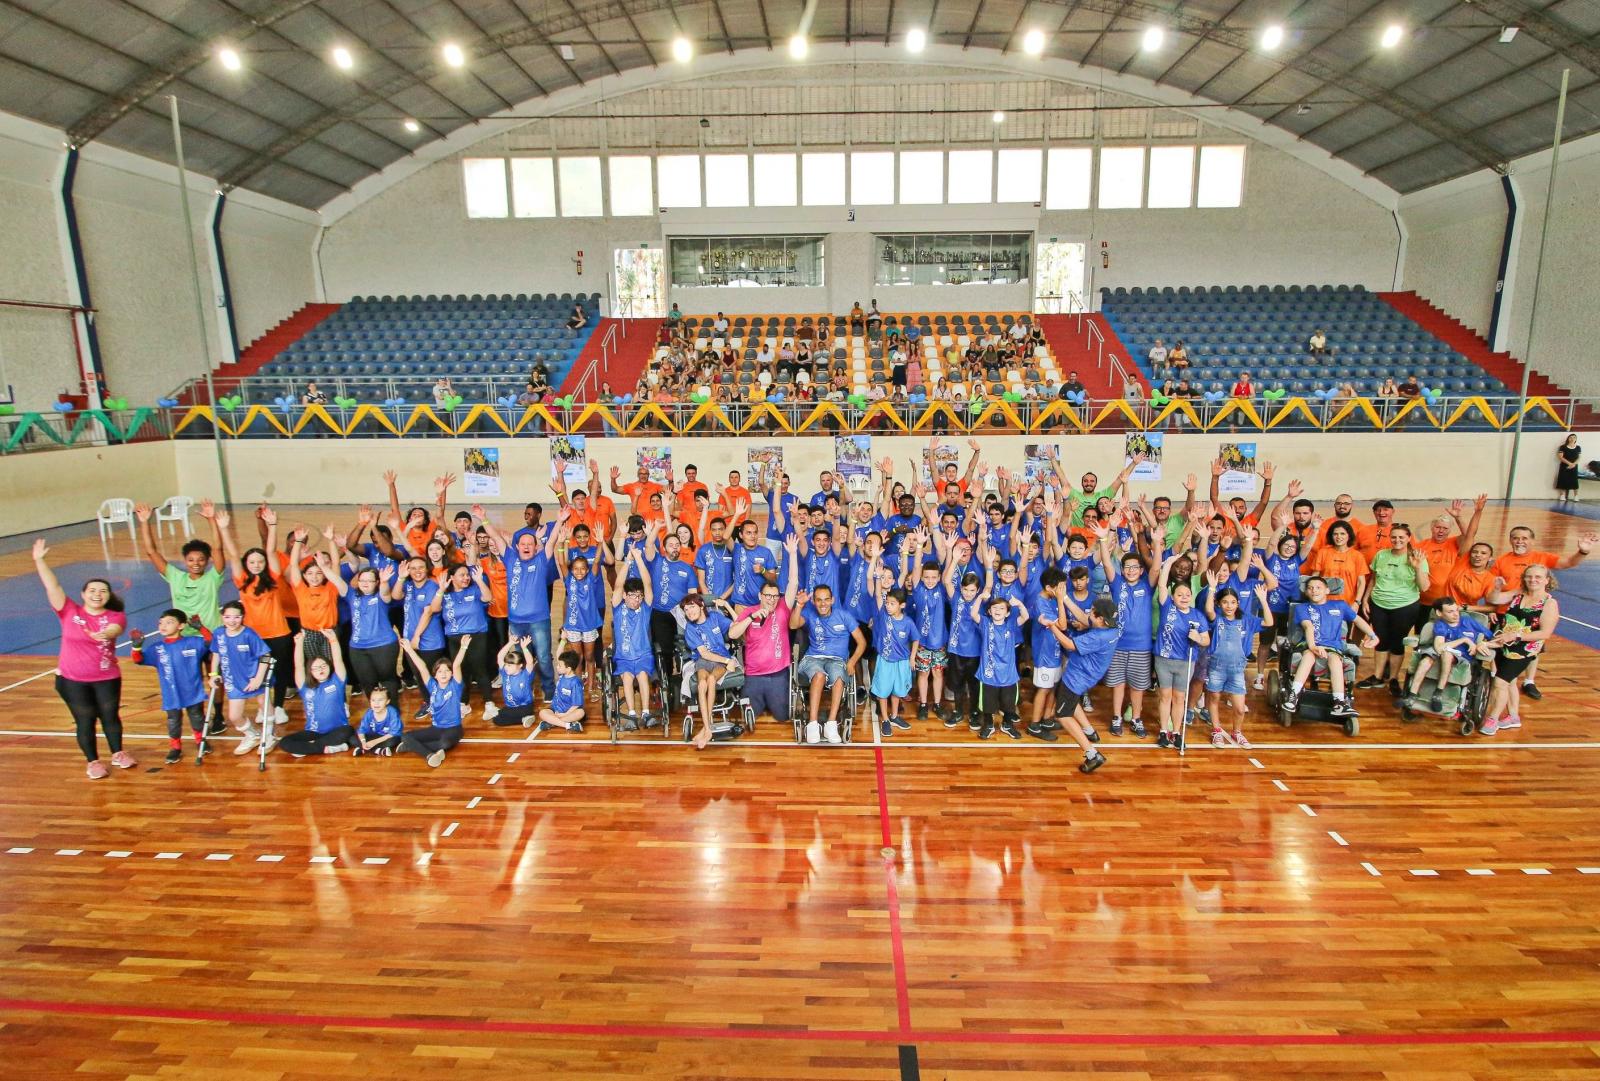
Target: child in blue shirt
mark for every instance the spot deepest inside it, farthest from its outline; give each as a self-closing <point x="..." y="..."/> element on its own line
<point x="515" y="664"/>
<point x="321" y="681"/>
<point x="1233" y="632"/>
<point x="632" y="660"/>
<point x="705" y="633"/>
<point x="1086" y="657"/>
<point x="584" y="617"/>
<point x="243" y="661"/>
<point x="892" y="636"/>
<point x="566" y="705"/>
<point x="1325" y="624"/>
<point x="999" y="632"/>
<point x="180" y="663"/>
<point x="381" y="727"/>
<point x="1456" y="639"/>
<point x="444" y="705"/>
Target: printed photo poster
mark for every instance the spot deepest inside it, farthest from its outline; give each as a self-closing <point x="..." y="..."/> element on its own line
<point x="1149" y="445"/>
<point x="764" y="462"/>
<point x="1036" y="463"/>
<point x="1239" y="463"/>
<point x="569" y="460"/>
<point x="480" y="467"/>
<point x="658" y="460"/>
<point x="944" y="454"/>
<point x="852" y="457"/>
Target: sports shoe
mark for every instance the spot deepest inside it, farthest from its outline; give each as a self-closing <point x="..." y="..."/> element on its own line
<point x="813" y="732"/>
<point x="1201" y="713"/>
<point x="1091" y="735"/>
<point x="975" y="722"/>
<point x="217" y="727"/>
<point x="1342" y="707"/>
<point x="1091" y="762"/>
<point x="951" y="720"/>
<point x="490" y="711"/>
<point x="1038" y="731"/>
<point x="1163" y="740"/>
<point x="97" y="770"/>
<point x="1219" y="738"/>
<point x="1239" y="741"/>
<point x="884" y="730"/>
<point x="1291" y="702"/>
<point x="1532" y="691"/>
<point x="1138" y="728"/>
<point x="1088" y="706"/>
<point x="575" y="729"/>
<point x="123" y="760"/>
<point x="436" y="759"/>
<point x="1395" y="689"/>
<point x="830" y="732"/>
<point x="1009" y="727"/>
<point x="336" y="748"/>
<point x="922" y="711"/>
<point x="422" y="714"/>
<point x="650" y="720"/>
<point x="1489" y="726"/>
<point x="1116" y="726"/>
<point x="174" y="755"/>
<point x="466" y="711"/>
<point x="986" y="731"/>
<point x="248" y="742"/>
<point x="1260" y="683"/>
<point x="281" y="719"/>
<point x="1371" y="683"/>
<point x="1180" y="740"/>
<point x="900" y="723"/>
<point x="1511" y="720"/>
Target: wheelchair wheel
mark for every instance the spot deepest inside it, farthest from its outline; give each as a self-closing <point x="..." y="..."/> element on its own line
<point x="749" y="718"/>
<point x="1274" y="688"/>
<point x="1468" y="726"/>
<point x="1406" y="712"/>
<point x="1352" y="726"/>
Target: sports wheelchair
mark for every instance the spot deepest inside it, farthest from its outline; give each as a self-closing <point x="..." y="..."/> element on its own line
<point x="611" y="699"/>
<point x="1463" y="698"/>
<point x="1316" y="702"/>
<point x="855" y="695"/>
<point x="731" y="713"/>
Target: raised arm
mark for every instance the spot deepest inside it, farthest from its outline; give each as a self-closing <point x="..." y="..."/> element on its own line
<point x="791" y="587"/>
<point x="300" y="657"/>
<point x="461" y="652"/>
<point x="395" y="521"/>
<point x="52" y="585"/>
<point x="149" y="547"/>
<point x="1266" y="470"/>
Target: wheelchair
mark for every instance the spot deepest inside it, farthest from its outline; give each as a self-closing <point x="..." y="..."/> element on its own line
<point x="611" y="700"/>
<point x="1464" y="698"/>
<point x="732" y="715"/>
<point x="1316" y="703"/>
<point x="856" y="693"/>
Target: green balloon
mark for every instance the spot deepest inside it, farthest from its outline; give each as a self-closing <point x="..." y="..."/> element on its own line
<point x="858" y="400"/>
<point x="1011" y="396"/>
<point x="7" y="410"/>
<point x="701" y="396"/>
<point x="1274" y="394"/>
<point x="1159" y="400"/>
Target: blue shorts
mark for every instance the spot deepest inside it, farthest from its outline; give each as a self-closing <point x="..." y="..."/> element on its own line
<point x="635" y="666"/>
<point x="1225" y="676"/>
<point x="891" y="679"/>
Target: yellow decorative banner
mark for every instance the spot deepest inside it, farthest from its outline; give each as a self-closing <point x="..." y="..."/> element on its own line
<point x="1176" y="405"/>
<point x="644" y="410"/>
<point x="595" y="409"/>
<point x="200" y="412"/>
<point x="1238" y="405"/>
<point x="320" y="414"/>
<point x="885" y="409"/>
<point x="1055" y="408"/>
<point x="826" y="409"/>
<point x="1355" y="405"/>
<point x="421" y="412"/>
<point x="537" y="412"/>
<point x="1122" y="406"/>
<point x="377" y="413"/>
<point x="476" y="411"/>
<point x="1289" y="409"/>
<point x="709" y="411"/>
<point x="1003" y="408"/>
<point x="1415" y="405"/>
<point x="933" y="409"/>
<point x="765" y="409"/>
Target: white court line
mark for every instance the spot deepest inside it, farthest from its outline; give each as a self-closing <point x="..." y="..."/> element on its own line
<point x="495" y="779"/>
<point x="375" y="861"/>
<point x="24" y="682"/>
<point x="1309" y="812"/>
<point x="324" y="859"/>
<point x="220" y="857"/>
<point x="1424" y="872"/>
<point x="19" y="851"/>
<point x="119" y="855"/>
<point x="1256" y="762"/>
<point x="1480" y="872"/>
<point x="1589" y="870"/>
<point x="169" y="855"/>
<point x="269" y="859"/>
<point x="69" y="851"/>
<point x="513" y="757"/>
<point x="1371" y="870"/>
<point x="424" y="859"/>
<point x="473" y="802"/>
<point x="1280" y="785"/>
<point x="1568" y="619"/>
<point x="1340" y="841"/>
<point x="451" y="828"/>
<point x="1536" y="870"/>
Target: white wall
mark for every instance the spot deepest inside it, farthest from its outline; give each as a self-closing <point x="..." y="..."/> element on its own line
<point x="51" y="488"/>
<point x="36" y="353"/>
<point x="1453" y="252"/>
<point x="270" y="272"/>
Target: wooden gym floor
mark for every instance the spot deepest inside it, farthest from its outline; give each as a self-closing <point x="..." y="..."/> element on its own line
<point x="1405" y="904"/>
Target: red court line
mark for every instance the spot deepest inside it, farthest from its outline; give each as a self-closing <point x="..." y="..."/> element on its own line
<point x="897" y="945"/>
<point x="692" y="1032"/>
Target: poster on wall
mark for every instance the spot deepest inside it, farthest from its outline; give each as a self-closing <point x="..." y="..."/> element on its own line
<point x="480" y="467"/>
<point x="764" y="462"/>
<point x="1037" y="462"/>
<point x="1238" y="469"/>
<point x="569" y="460"/>
<point x="658" y="460"/>
<point x="1147" y="444"/>
<point x="933" y="466"/>
<point x="852" y="458"/>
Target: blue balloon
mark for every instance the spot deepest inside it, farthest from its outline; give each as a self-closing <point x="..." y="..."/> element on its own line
<point x="1214" y="396"/>
<point x="167" y="403"/>
<point x="506" y="400"/>
<point x="61" y="407"/>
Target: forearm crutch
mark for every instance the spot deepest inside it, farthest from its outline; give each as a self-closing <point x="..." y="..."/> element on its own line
<point x="268" y="715"/>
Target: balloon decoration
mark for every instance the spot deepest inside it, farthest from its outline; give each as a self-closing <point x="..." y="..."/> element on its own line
<point x="702" y="396"/>
<point x="566" y="403"/>
<point x="506" y="401"/>
<point x="394" y="403"/>
<point x="626" y="399"/>
<point x="859" y="401"/>
<point x="1011" y="396"/>
<point x="1432" y="394"/>
<point x="1326" y="392"/>
<point x="285" y="404"/>
<point x="1078" y="397"/>
<point x="7" y="410"/>
<point x="167" y="403"/>
<point x="1157" y="400"/>
<point x="231" y="403"/>
<point x="61" y="407"/>
<point x="344" y="403"/>
<point x="775" y="396"/>
<point x="116" y="405"/>
<point x="1274" y="395"/>
<point x="1213" y="396"/>
<point x="451" y="401"/>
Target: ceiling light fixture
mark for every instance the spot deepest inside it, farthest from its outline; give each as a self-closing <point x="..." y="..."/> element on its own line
<point x="230" y="59"/>
<point x="453" y="55"/>
<point x="567" y="52"/>
<point x="916" y="40"/>
<point x="682" y="49"/>
<point x="1033" y="42"/>
<point x="1153" y="37"/>
<point x="411" y="125"/>
<point x="999" y="116"/>
<point x="798" y="47"/>
<point x="1509" y="34"/>
<point x="1392" y="35"/>
<point x="1271" y="37"/>
<point x="342" y="58"/>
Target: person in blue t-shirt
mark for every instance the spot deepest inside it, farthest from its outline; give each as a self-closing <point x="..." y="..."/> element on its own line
<point x="514" y="662"/>
<point x="713" y="561"/>
<point x="1233" y="633"/>
<point x="1086" y="657"/>
<point x="930" y="611"/>
<point x="565" y="709"/>
<point x="892" y="634"/>
<point x="961" y="652"/>
<point x="1326" y="624"/>
<point x="705" y="633"/>
<point x="321" y="682"/>
<point x="1282" y="562"/>
<point x="1457" y="638"/>
<point x="632" y="660"/>
<point x="1129" y="582"/>
<point x="1000" y="621"/>
<point x="582" y="618"/>
<point x="753" y="566"/>
<point x="780" y="515"/>
<point x="1180" y="637"/>
<point x="1046" y="606"/>
<point x="381" y="727"/>
<point x="444" y="706"/>
<point x="672" y="580"/>
<point x="834" y="645"/>
<point x="416" y="593"/>
<point x="180" y="663"/>
<point x="374" y="647"/>
<point x="243" y="660"/>
<point x="464" y="604"/>
<point x="530" y="577"/>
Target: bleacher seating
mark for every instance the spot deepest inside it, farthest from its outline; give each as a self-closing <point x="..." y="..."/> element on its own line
<point x="866" y="357"/>
<point x="1263" y="331"/>
<point x="414" y="340"/>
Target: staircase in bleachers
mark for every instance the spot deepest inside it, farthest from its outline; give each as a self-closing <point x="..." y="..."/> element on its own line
<point x="1263" y="331"/>
<point x="266" y="348"/>
<point x="409" y="342"/>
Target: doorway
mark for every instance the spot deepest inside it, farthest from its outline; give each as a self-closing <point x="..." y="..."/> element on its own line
<point x="1060" y="277"/>
<point x="640" y="283"/>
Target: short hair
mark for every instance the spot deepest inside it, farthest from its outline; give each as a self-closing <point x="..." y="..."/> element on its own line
<point x="635" y="523"/>
<point x="463" y="514"/>
<point x="1313" y="580"/>
<point x="1106" y="609"/>
<point x="633" y="585"/>
<point x="930" y="565"/>
<point x="197" y="545"/>
<point x="1442" y="603"/>
<point x="1051" y="578"/>
<point x="1383" y="504"/>
<point x="570" y="658"/>
<point x="1306" y="503"/>
<point x="175" y="613"/>
<point x="897" y="594"/>
<point x="233" y="606"/>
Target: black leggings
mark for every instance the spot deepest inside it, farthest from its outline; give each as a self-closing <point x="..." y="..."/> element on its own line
<point x="510" y="715"/>
<point x="375" y="666"/>
<point x="307" y="742"/>
<point x="475" y="665"/>
<point x="282" y="650"/>
<point x="97" y="700"/>
<point x="197" y="720"/>
<point x="961" y="676"/>
<point x="425" y="741"/>
<point x="663" y="637"/>
<point x="999" y="699"/>
<point x="1391" y="625"/>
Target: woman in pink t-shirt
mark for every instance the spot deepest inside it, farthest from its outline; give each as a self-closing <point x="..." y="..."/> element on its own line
<point x="87" y="677"/>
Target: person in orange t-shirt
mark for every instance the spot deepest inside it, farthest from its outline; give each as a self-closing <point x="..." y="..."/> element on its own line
<point x="691" y="485"/>
<point x="257" y="574"/>
<point x="1472" y="577"/>
<point x="639" y="491"/>
<point x="1445" y="552"/>
<point x="735" y="500"/>
<point x="494" y="571"/>
<point x="317" y="587"/>
<point x="1337" y="559"/>
<point x="1344" y="505"/>
<point x="417" y="525"/>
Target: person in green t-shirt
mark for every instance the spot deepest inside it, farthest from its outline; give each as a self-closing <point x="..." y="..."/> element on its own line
<point x="1090" y="491"/>
<point x="1394" y="589"/>
<point x="195" y="584"/>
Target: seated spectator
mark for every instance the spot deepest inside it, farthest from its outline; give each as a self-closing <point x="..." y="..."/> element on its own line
<point x="1018" y="332"/>
<point x="806" y="334"/>
<point x="764" y="356"/>
<point x="674" y="317"/>
<point x="720" y="325"/>
<point x="313" y="396"/>
<point x="1158" y="358"/>
<point x="858" y="317"/>
<point x="1318" y="344"/>
<point x="578" y="317"/>
<point x="1073" y="385"/>
<point x="786" y="351"/>
<point x="529" y="396"/>
<point x="823" y="333"/>
<point x="874" y="316"/>
<point x="876" y="393"/>
<point x="538" y="383"/>
<point x="442" y="390"/>
<point x="1410" y="388"/>
<point x="1388" y="391"/>
<point x="1030" y="372"/>
<point x="1243" y="388"/>
<point x="1036" y="338"/>
<point x="1178" y="358"/>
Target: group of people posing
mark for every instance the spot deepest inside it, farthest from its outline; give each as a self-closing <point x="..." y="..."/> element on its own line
<point x="996" y="602"/>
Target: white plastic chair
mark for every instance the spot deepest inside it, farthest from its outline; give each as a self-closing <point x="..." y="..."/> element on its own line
<point x="112" y="513"/>
<point x="175" y="511"/>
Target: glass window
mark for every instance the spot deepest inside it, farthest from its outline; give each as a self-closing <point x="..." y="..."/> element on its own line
<point x="486" y="187"/>
<point x="1121" y="177"/>
<point x="953" y="258"/>
<point x="1067" y="182"/>
<point x="1171" y="177"/>
<point x="972" y="176"/>
<point x="631" y="194"/>
<point x="533" y="187"/>
<point x="580" y="187"/>
<point x="746" y="261"/>
<point x="872" y="177"/>
<point x="1019" y="176"/>
<point x="775" y="180"/>
<point x="727" y="180"/>
<point x="921" y="177"/>
<point x="1221" y="176"/>
<point x="822" y="179"/>
<point x="678" y="178"/>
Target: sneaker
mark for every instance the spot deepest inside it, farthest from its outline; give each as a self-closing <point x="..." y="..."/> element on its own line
<point x="922" y="711"/>
<point x="336" y="748"/>
<point x="1091" y="735"/>
<point x="1091" y="762"/>
<point x="1239" y="741"/>
<point x="576" y="728"/>
<point x="1342" y="707"/>
<point x="813" y="732"/>
<point x="218" y="726"/>
<point x="630" y="722"/>
<point x="951" y="720"/>
<point x="1180" y="740"/>
<point x="1395" y="689"/>
<point x="271" y="743"/>
<point x="281" y="719"/>
<point x="1371" y="683"/>
<point x="900" y="723"/>
<point x="490" y="711"/>
<point x="422" y="714"/>
<point x="1291" y="702"/>
<point x="986" y="731"/>
<point x="1040" y="732"/>
<point x="1532" y="691"/>
<point x="1201" y="713"/>
<point x="884" y="730"/>
<point x="975" y="723"/>
<point x="1009" y="727"/>
<point x="527" y="722"/>
<point x="248" y="742"/>
<point x="1116" y="726"/>
<point x="123" y="760"/>
<point x="1088" y="706"/>
<point x="436" y="759"/>
<point x="466" y="711"/>
<point x="1511" y="720"/>
<point x="1219" y="738"/>
<point x="1163" y="740"/>
<point x="1138" y="728"/>
<point x="831" y="734"/>
<point x="1260" y="683"/>
<point x="174" y="755"/>
<point x="650" y="720"/>
<point x="1050" y="723"/>
<point x="97" y="770"/>
<point x="1489" y="726"/>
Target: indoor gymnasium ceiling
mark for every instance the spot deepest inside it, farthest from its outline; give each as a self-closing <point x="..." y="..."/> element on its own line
<point x="1448" y="98"/>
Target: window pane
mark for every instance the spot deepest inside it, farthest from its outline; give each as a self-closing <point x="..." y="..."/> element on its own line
<point x="533" y="187"/>
<point x="1171" y="177"/>
<point x="630" y="187"/>
<point x="678" y="178"/>
<point x="775" y="180"/>
<point x="486" y="186"/>
<point x="872" y="178"/>
<point x="580" y="187"/>
<point x="822" y="179"/>
<point x="1067" y="185"/>
<point x="972" y="176"/>
<point x="1019" y="176"/>
<point x="727" y="180"/>
<point x="1121" y="177"/>
<point x="1221" y="176"/>
<point x="921" y="176"/>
